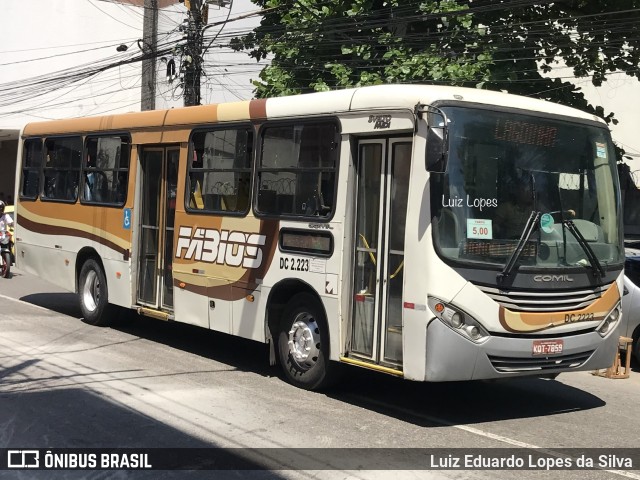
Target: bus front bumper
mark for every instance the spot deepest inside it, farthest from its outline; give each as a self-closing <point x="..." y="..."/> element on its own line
<point x="451" y="357"/>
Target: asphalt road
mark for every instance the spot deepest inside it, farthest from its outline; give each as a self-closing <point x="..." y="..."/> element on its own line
<point x="153" y="384"/>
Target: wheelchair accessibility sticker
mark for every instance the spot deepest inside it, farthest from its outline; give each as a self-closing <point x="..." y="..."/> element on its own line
<point x="126" y="221"/>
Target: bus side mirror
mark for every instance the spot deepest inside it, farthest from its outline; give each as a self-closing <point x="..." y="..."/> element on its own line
<point x="437" y="138"/>
<point x="436" y="150"/>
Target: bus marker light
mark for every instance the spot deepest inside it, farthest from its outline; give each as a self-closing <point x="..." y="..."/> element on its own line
<point x="118" y="275"/>
<point x="439" y="307"/>
<point x="182" y="284"/>
<point x="250" y="298"/>
<point x="66" y="262"/>
<point x="409" y="305"/>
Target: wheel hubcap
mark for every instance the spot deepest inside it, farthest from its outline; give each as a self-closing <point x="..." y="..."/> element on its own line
<point x="91" y="291"/>
<point x="304" y="341"/>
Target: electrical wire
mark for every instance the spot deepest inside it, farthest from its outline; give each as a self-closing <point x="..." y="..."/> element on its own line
<point x="111" y="16"/>
<point x="331" y="33"/>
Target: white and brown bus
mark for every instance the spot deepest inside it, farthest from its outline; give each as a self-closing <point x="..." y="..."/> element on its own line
<point x="432" y="233"/>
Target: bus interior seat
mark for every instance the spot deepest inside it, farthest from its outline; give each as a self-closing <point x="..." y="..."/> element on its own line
<point x="102" y="187"/>
<point x="240" y="201"/>
<point x="196" y="198"/>
<point x="229" y="202"/>
<point x="214" y="201"/>
<point x="267" y="201"/>
<point x="284" y="203"/>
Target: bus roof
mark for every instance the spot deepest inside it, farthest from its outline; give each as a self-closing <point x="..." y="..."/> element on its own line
<point x="320" y="103"/>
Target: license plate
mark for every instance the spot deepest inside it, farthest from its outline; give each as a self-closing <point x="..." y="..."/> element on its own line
<point x="547" y="347"/>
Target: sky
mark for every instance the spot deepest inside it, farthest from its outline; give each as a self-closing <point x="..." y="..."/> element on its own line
<point x="47" y="47"/>
<point x="620" y="94"/>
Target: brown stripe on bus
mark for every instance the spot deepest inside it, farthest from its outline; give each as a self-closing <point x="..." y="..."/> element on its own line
<point x="47" y="229"/>
<point x="258" y="108"/>
<point x="231" y="292"/>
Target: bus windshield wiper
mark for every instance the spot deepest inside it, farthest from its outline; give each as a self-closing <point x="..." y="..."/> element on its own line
<point x="530" y="226"/>
<point x="598" y="271"/>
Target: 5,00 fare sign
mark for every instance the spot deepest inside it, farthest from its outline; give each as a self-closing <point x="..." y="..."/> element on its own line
<point x="479" y="228"/>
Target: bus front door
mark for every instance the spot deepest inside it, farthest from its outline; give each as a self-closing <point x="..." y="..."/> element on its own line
<point x="382" y="191"/>
<point x="159" y="167"/>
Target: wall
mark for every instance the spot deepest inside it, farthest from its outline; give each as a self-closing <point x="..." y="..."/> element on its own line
<point x="8" y="153"/>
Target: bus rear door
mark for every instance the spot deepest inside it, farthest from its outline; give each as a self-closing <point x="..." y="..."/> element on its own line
<point x="158" y="203"/>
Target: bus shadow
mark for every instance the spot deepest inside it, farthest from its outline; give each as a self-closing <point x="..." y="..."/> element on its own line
<point x="79" y="419"/>
<point x="458" y="403"/>
<point x="236" y="352"/>
<point x="424" y="404"/>
<point x="64" y="303"/>
<point x="239" y="353"/>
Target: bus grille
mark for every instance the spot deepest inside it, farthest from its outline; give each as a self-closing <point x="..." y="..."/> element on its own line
<point x="545" y="301"/>
<point x="519" y="364"/>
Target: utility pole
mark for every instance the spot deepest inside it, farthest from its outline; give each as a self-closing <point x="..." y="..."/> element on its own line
<point x="193" y="53"/>
<point x="149" y="42"/>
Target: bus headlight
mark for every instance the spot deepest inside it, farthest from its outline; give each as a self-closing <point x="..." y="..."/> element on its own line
<point x="610" y="321"/>
<point x="457" y="320"/>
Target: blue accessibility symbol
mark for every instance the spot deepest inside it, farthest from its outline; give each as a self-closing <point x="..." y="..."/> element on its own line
<point x="126" y="222"/>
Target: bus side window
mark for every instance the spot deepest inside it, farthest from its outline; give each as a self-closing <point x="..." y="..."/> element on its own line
<point x="219" y="174"/>
<point x="298" y="165"/>
<point x="31" y="166"/>
<point x="106" y="169"/>
<point x="62" y="168"/>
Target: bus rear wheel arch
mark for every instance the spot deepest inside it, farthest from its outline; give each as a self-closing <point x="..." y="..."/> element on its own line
<point x="303" y="343"/>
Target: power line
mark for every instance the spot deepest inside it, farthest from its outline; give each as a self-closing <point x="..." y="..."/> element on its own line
<point x="111" y="16"/>
<point x="538" y="30"/>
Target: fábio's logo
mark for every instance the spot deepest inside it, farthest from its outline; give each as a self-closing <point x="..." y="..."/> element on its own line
<point x="223" y="247"/>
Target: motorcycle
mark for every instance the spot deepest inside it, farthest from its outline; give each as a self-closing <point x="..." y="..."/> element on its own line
<point x="6" y="255"/>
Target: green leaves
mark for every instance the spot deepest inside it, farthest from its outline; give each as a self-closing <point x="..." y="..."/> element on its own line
<point x="315" y="45"/>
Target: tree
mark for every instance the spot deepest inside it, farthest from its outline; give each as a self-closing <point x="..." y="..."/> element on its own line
<point x="319" y="45"/>
<point x="508" y="45"/>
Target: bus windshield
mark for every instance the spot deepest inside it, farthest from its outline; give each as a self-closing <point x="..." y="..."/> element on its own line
<point x="505" y="167"/>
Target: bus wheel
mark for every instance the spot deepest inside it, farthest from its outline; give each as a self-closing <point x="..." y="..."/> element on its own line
<point x="303" y="343"/>
<point x="93" y="294"/>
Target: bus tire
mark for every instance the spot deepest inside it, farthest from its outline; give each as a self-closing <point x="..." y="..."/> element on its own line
<point x="6" y="265"/>
<point x="94" y="295"/>
<point x="303" y="343"/>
